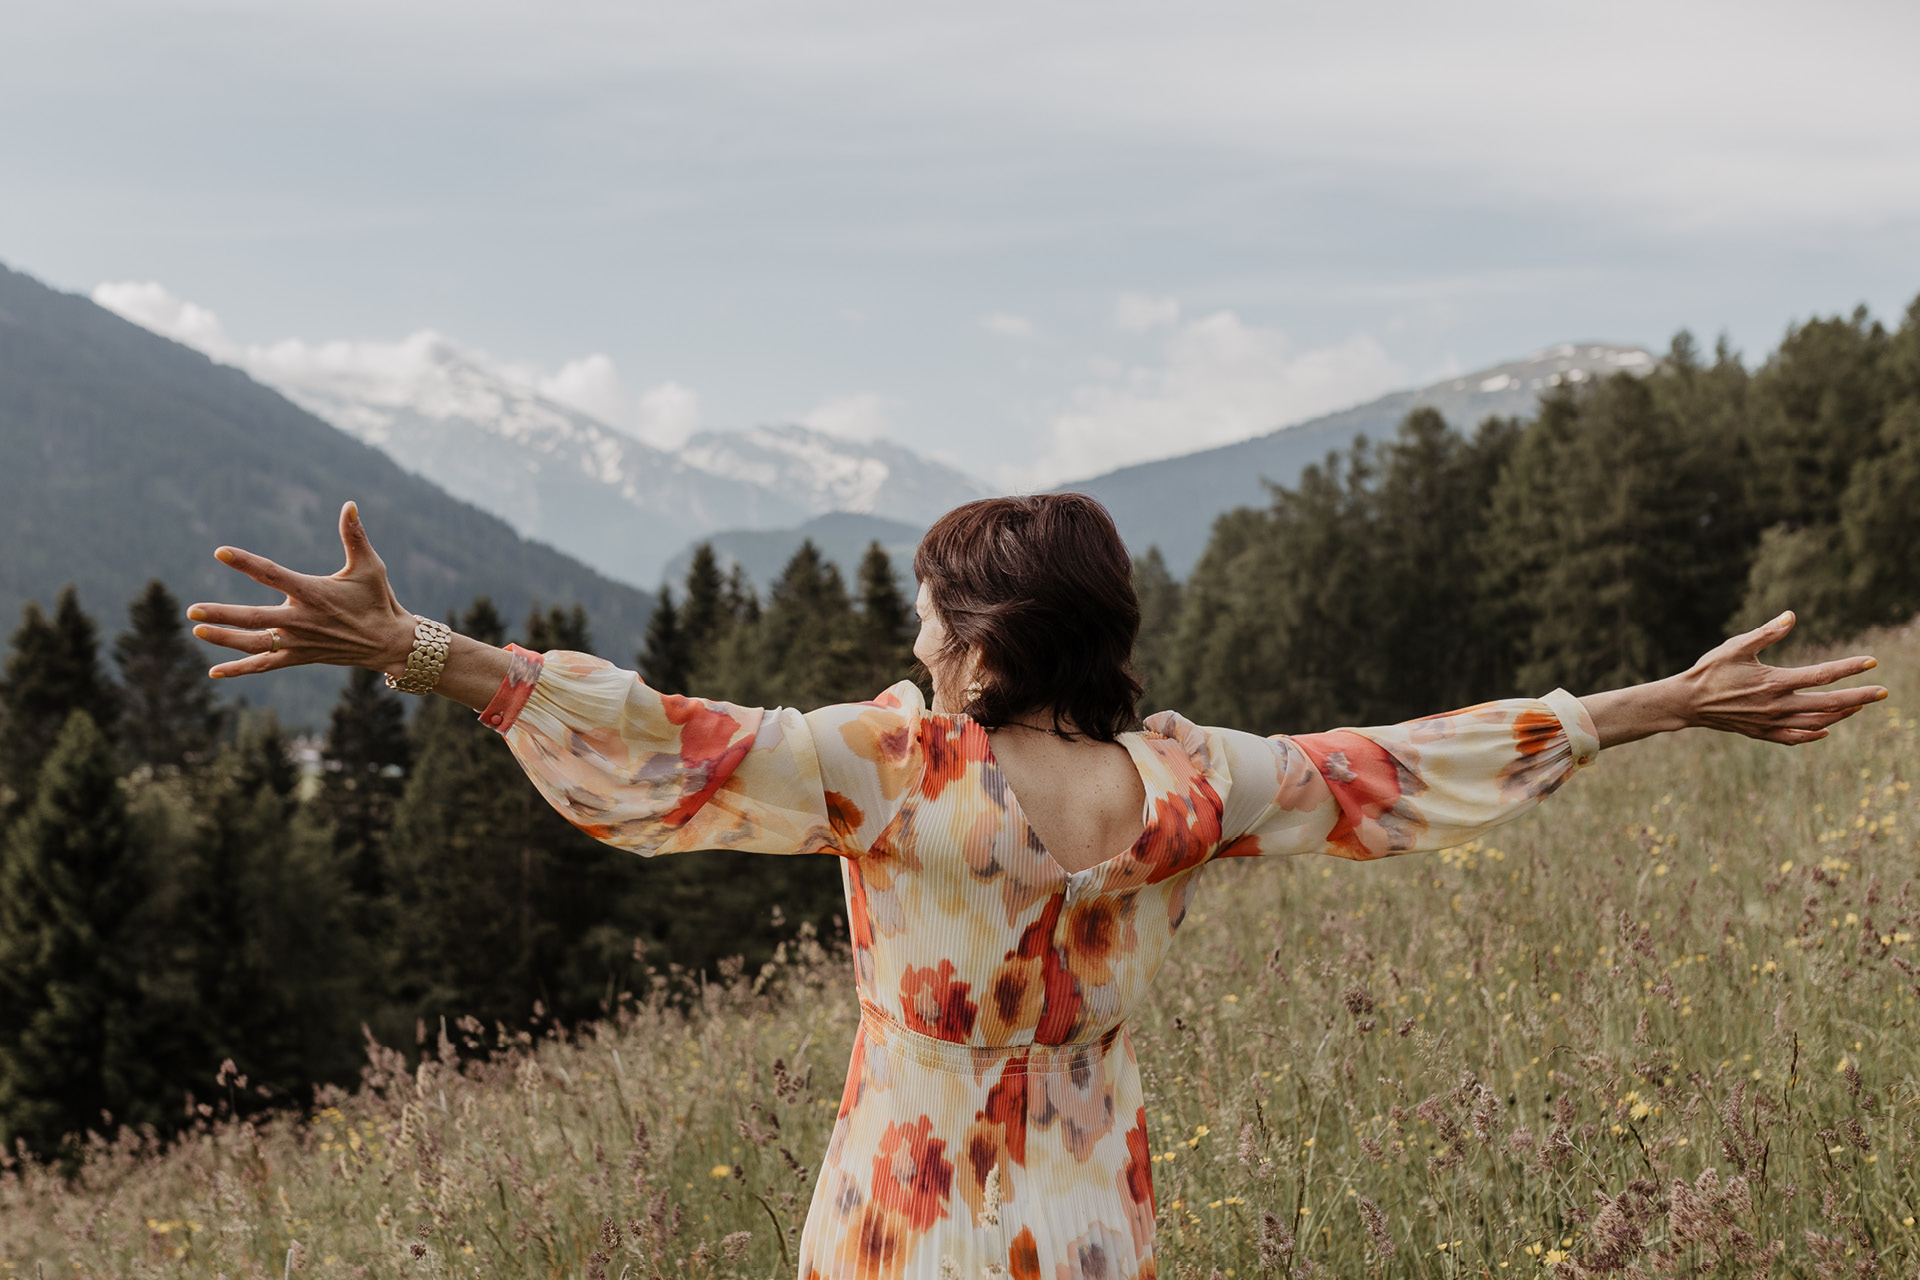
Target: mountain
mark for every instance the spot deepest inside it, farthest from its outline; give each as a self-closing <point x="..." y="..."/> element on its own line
<point x="827" y="473"/>
<point x="130" y="456"/>
<point x="841" y="536"/>
<point x="484" y="432"/>
<point x="550" y="471"/>
<point x="1172" y="503"/>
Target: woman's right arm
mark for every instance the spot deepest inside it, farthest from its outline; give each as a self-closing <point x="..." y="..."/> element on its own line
<point x="641" y="770"/>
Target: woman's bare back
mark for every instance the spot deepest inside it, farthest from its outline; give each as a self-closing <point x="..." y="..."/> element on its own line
<point x="1083" y="799"/>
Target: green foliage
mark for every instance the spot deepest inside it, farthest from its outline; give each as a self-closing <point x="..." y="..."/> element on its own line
<point x="885" y="626"/>
<point x="52" y="671"/>
<point x="71" y="1017"/>
<point x="664" y="659"/>
<point x="1153" y="652"/>
<point x="1629" y="527"/>
<point x="170" y="716"/>
<point x="364" y="768"/>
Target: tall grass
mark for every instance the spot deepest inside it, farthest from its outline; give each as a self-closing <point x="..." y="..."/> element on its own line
<point x="1666" y="1026"/>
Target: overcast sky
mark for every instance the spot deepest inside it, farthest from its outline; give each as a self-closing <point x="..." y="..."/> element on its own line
<point x="1037" y="239"/>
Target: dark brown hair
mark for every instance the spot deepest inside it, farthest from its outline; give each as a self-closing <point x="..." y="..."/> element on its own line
<point x="1042" y="586"/>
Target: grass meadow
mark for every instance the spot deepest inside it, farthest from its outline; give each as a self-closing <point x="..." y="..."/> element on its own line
<point x="1664" y="1027"/>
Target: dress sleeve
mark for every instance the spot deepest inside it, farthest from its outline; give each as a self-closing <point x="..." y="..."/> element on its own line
<point x="1419" y="786"/>
<point x="656" y="773"/>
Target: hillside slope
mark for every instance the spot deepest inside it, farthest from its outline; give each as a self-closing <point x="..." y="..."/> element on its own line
<point x="130" y="457"/>
<point x="1172" y="503"/>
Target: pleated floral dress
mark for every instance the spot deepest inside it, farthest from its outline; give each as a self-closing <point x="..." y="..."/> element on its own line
<point x="992" y="1119"/>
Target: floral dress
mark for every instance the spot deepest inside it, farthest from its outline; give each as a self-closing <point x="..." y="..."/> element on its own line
<point x="992" y="1123"/>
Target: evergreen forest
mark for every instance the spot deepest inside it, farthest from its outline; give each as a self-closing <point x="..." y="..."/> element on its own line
<point x="195" y="919"/>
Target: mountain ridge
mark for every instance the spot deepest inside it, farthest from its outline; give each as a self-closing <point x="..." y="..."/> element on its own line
<point x="1172" y="503"/>
<point x="132" y="456"/>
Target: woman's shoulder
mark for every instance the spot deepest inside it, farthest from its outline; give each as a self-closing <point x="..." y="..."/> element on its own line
<point x="1192" y="740"/>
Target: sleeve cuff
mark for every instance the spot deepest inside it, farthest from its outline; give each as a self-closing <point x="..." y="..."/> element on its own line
<point x="523" y="672"/>
<point x="1581" y="737"/>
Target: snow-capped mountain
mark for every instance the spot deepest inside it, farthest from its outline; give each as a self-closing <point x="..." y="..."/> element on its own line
<point x="1171" y="503"/>
<point x="550" y="471"/>
<point x="829" y="473"/>
<point x="487" y="434"/>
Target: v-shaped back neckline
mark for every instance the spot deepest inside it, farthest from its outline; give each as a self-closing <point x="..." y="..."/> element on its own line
<point x="1132" y="742"/>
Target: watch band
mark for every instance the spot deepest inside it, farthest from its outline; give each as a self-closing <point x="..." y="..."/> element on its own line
<point x="427" y="659"/>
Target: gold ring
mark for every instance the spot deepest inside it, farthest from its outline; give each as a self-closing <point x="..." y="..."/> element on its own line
<point x="273" y="639"/>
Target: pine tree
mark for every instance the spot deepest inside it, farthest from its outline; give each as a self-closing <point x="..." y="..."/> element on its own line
<point x="1154" y="651"/>
<point x="364" y="767"/>
<point x="169" y="716"/>
<point x="267" y="917"/>
<point x="71" y="1044"/>
<point x="472" y="853"/>
<point x="1609" y="569"/>
<point x="559" y="628"/>
<point x="53" y="671"/>
<point x="707" y="612"/>
<point x="1816" y="407"/>
<point x="807" y="636"/>
<point x="664" y="660"/>
<point x="886" y="627"/>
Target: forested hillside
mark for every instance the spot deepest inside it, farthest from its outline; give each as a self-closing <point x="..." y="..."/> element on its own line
<point x="129" y="457"/>
<point x="175" y="894"/>
<point x="1628" y="526"/>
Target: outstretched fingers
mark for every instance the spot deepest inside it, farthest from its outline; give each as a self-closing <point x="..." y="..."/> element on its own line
<point x="252" y="665"/>
<point x="1763" y="636"/>
<point x="245" y="640"/>
<point x="355" y="542"/>
<point x="1827" y="672"/>
<point x="261" y="570"/>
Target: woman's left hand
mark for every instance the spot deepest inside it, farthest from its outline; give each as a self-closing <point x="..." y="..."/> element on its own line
<point x="1730" y="689"/>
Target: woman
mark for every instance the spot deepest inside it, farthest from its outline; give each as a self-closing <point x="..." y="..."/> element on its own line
<point x="1016" y="857"/>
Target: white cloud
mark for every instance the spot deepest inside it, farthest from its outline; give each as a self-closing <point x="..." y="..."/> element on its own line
<point x="667" y="415"/>
<point x="864" y="415"/>
<point x="1007" y="325"/>
<point x="590" y="384"/>
<point x="1141" y="312"/>
<point x="149" y="305"/>
<point x="1219" y="379"/>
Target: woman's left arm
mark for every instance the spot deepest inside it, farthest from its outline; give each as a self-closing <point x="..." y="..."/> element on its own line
<point x="1730" y="689"/>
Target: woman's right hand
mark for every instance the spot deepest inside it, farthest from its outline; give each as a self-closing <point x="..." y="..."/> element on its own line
<point x="350" y="618"/>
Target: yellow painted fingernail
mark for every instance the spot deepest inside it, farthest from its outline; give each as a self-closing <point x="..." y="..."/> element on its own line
<point x="199" y="633"/>
<point x="1870" y="664"/>
<point x="196" y="614"/>
<point x="1882" y="696"/>
<point x="353" y="513"/>
<point x="213" y="673"/>
<point x="224" y="555"/>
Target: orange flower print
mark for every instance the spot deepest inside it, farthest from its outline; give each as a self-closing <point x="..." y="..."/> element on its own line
<point x="1370" y="786"/>
<point x="1023" y="1257"/>
<point x="844" y="816"/>
<point x="911" y="1174"/>
<point x="949" y="746"/>
<point x="936" y="1005"/>
<point x="1013" y="997"/>
<point x="1136" y="1182"/>
<point x="885" y="742"/>
<point x="1100" y="933"/>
